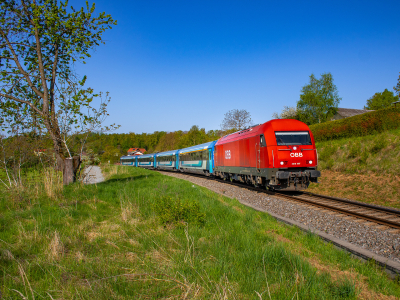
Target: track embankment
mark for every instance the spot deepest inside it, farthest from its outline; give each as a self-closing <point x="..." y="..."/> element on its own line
<point x="365" y="239"/>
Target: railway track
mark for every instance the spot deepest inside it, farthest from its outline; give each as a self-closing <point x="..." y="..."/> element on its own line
<point x="363" y="211"/>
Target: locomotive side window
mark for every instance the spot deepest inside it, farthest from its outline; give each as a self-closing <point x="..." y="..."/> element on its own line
<point x="292" y="138"/>
<point x="262" y="141"/>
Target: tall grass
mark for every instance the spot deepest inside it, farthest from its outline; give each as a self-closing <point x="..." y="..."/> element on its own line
<point x="378" y="154"/>
<point x="35" y="183"/>
<point x="111" y="241"/>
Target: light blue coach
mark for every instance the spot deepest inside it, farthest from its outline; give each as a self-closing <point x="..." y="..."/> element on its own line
<point x="197" y="159"/>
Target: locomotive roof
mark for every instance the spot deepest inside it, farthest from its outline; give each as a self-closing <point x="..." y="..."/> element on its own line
<point x="198" y="147"/>
<point x="270" y="126"/>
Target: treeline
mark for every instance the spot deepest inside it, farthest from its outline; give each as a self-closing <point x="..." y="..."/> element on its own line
<point x="109" y="147"/>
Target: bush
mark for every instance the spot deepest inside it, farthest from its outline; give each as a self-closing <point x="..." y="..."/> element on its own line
<point x="355" y="150"/>
<point x="327" y="152"/>
<point x="378" y="145"/>
<point x="361" y="125"/>
<point x="176" y="212"/>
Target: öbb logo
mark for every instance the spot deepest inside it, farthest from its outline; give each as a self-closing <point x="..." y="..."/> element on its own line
<point x="296" y="154"/>
<point x="227" y="154"/>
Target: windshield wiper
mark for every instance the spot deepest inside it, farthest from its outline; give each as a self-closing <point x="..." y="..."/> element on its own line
<point x="283" y="142"/>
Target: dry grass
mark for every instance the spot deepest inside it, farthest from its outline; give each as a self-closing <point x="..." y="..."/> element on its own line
<point x="56" y="247"/>
<point x="112" y="170"/>
<point x="369" y="188"/>
<point x="53" y="182"/>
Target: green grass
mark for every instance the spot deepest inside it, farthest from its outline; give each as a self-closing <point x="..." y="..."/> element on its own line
<point x="365" y="168"/>
<point x="124" y="239"/>
<point x="379" y="154"/>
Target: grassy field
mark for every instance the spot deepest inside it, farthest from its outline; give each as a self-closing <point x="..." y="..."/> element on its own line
<point x="142" y="235"/>
<point x="364" y="168"/>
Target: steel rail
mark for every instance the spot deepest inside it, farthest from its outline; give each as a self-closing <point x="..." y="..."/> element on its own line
<point x="353" y="205"/>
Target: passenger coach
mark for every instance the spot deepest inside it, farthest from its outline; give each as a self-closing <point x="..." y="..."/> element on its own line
<point x="167" y="160"/>
<point x="128" y="161"/>
<point x="146" y="161"/>
<point x="197" y="159"/>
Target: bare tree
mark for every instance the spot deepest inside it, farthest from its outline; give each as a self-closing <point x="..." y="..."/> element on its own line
<point x="238" y="119"/>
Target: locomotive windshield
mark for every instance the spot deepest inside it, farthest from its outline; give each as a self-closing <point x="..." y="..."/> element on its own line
<point x="293" y="138"/>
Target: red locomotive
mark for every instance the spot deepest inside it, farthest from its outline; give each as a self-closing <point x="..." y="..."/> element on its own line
<point x="279" y="154"/>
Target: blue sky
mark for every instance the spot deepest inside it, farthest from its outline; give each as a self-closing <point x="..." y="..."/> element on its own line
<point x="169" y="65"/>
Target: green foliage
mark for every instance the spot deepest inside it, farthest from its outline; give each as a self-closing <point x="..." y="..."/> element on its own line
<point x="344" y="289"/>
<point x="178" y="213"/>
<point x="318" y="100"/>
<point x="360" y="125"/>
<point x="378" y="145"/>
<point x="381" y="100"/>
<point x="153" y="142"/>
<point x="327" y="152"/>
<point x="39" y="43"/>
<point x="364" y="156"/>
<point x="355" y="150"/>
<point x="111" y="154"/>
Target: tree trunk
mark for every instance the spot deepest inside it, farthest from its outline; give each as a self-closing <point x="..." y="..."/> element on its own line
<point x="68" y="172"/>
<point x="71" y="166"/>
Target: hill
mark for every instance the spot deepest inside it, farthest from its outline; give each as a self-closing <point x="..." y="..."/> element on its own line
<point x="364" y="168"/>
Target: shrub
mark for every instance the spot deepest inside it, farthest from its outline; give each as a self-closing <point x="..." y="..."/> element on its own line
<point x="176" y="212"/>
<point x="355" y="150"/>
<point x="364" y="156"/>
<point x="378" y="145"/>
<point x="361" y="125"/>
<point x="327" y="152"/>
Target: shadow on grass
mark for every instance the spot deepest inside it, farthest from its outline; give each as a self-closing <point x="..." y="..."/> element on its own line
<point x="138" y="177"/>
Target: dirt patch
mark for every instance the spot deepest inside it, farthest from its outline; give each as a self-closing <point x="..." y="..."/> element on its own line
<point x="238" y="209"/>
<point x="278" y="237"/>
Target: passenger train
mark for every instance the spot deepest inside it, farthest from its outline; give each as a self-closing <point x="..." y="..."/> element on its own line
<point x="278" y="155"/>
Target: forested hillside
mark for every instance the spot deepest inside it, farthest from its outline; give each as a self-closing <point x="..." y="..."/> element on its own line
<point x="111" y="146"/>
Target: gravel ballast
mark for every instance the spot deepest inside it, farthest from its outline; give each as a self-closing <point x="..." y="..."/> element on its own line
<point x="378" y="239"/>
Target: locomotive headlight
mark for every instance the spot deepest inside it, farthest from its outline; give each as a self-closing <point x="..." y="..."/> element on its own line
<point x="310" y="162"/>
<point x="282" y="163"/>
<point x="295" y="148"/>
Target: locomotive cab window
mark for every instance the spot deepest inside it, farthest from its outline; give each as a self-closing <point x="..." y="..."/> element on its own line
<point x="293" y="138"/>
